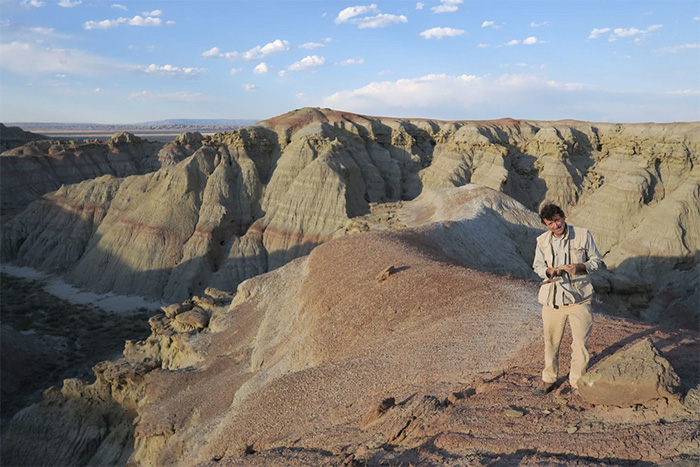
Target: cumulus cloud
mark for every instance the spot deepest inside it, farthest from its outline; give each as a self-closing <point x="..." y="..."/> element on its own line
<point x="235" y="70"/>
<point x="216" y="52"/>
<point x="311" y="61"/>
<point x="351" y="12"/>
<point x="311" y="45"/>
<point x="486" y="24"/>
<point x="32" y="3"/>
<point x="119" y="6"/>
<point x="69" y="4"/>
<point x="352" y="61"/>
<point x="597" y="32"/>
<point x="261" y="69"/>
<point x="368" y="17"/>
<point x="447" y="6"/>
<point x="419" y="6"/>
<point x="250" y="87"/>
<point x="152" y="13"/>
<point x="439" y="33"/>
<point x="271" y="48"/>
<point x="111" y="23"/>
<point x="527" y="41"/>
<point x="618" y="33"/>
<point x="170" y="70"/>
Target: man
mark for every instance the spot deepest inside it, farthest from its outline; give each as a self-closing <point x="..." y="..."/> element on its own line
<point x="564" y="257"/>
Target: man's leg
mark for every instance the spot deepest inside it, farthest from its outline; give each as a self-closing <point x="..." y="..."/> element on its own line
<point x="553" y="323"/>
<point x="581" y="322"/>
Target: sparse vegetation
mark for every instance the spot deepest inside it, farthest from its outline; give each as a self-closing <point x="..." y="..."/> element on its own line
<point x="49" y="339"/>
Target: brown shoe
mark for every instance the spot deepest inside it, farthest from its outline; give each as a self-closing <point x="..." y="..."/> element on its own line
<point x="543" y="388"/>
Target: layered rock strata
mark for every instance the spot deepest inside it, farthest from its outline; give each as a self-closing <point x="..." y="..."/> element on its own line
<point x="251" y="200"/>
<point x="41" y="166"/>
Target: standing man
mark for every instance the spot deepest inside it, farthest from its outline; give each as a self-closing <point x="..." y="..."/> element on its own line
<point x="564" y="257"/>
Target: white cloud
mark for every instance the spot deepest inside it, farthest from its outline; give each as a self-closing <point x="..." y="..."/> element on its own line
<point x="119" y="6"/>
<point x="170" y="23"/>
<point x="32" y="3"/>
<point x="439" y="33"/>
<point x="69" y="4"/>
<point x="152" y="13"/>
<point x="261" y="69"/>
<point x="483" y="46"/>
<point x="486" y="24"/>
<point x="447" y="6"/>
<point x="43" y="31"/>
<point x="419" y="6"/>
<point x="170" y="96"/>
<point x="353" y="11"/>
<point x="463" y="96"/>
<point x="368" y="17"/>
<point x="311" y="45"/>
<point x="235" y="70"/>
<point x="216" y="52"/>
<point x="170" y="70"/>
<point x="618" y="33"/>
<point x="677" y="48"/>
<point x="98" y="90"/>
<point x="527" y="41"/>
<point x="311" y="61"/>
<point x="597" y="32"/>
<point x="258" y="52"/>
<point x="147" y="21"/>
<point x="328" y="40"/>
<point x="61" y="75"/>
<point x="26" y="58"/>
<point x="250" y="87"/>
<point x="352" y="61"/>
<point x="111" y="23"/>
<point x="538" y="25"/>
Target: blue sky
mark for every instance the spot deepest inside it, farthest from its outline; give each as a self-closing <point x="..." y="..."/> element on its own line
<point x="127" y="62"/>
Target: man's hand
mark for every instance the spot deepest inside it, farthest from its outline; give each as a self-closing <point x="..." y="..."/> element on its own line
<point x="553" y="272"/>
<point x="576" y="268"/>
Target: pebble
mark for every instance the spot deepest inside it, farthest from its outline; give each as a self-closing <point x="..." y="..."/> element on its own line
<point x="514" y="413"/>
<point x="572" y="429"/>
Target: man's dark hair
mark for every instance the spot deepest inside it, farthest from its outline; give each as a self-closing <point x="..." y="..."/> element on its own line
<point x="548" y="211"/>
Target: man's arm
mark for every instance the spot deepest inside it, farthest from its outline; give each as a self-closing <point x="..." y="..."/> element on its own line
<point x="595" y="261"/>
<point x="538" y="264"/>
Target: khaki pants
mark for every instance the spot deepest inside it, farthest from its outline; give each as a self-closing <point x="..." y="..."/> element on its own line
<point x="554" y="321"/>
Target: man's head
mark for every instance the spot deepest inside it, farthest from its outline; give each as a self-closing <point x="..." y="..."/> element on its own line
<point x="554" y="219"/>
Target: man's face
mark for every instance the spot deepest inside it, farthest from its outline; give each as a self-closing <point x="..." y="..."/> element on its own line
<point x="556" y="225"/>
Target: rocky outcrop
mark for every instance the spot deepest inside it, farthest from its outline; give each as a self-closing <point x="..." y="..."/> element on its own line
<point x="633" y="376"/>
<point x="37" y="167"/>
<point x="13" y="136"/>
<point x="249" y="201"/>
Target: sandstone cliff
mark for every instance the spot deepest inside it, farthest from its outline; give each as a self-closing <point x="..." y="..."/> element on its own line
<point x="253" y="199"/>
<point x="326" y="361"/>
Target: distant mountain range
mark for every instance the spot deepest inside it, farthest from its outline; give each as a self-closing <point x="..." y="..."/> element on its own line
<point x="183" y="123"/>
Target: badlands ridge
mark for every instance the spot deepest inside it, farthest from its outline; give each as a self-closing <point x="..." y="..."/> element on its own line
<point x="368" y="291"/>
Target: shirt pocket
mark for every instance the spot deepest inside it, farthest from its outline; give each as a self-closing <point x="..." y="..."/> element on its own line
<point x="578" y="255"/>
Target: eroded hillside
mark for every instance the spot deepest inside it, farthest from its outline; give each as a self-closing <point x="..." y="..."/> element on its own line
<point x="334" y="359"/>
<point x="251" y="200"/>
